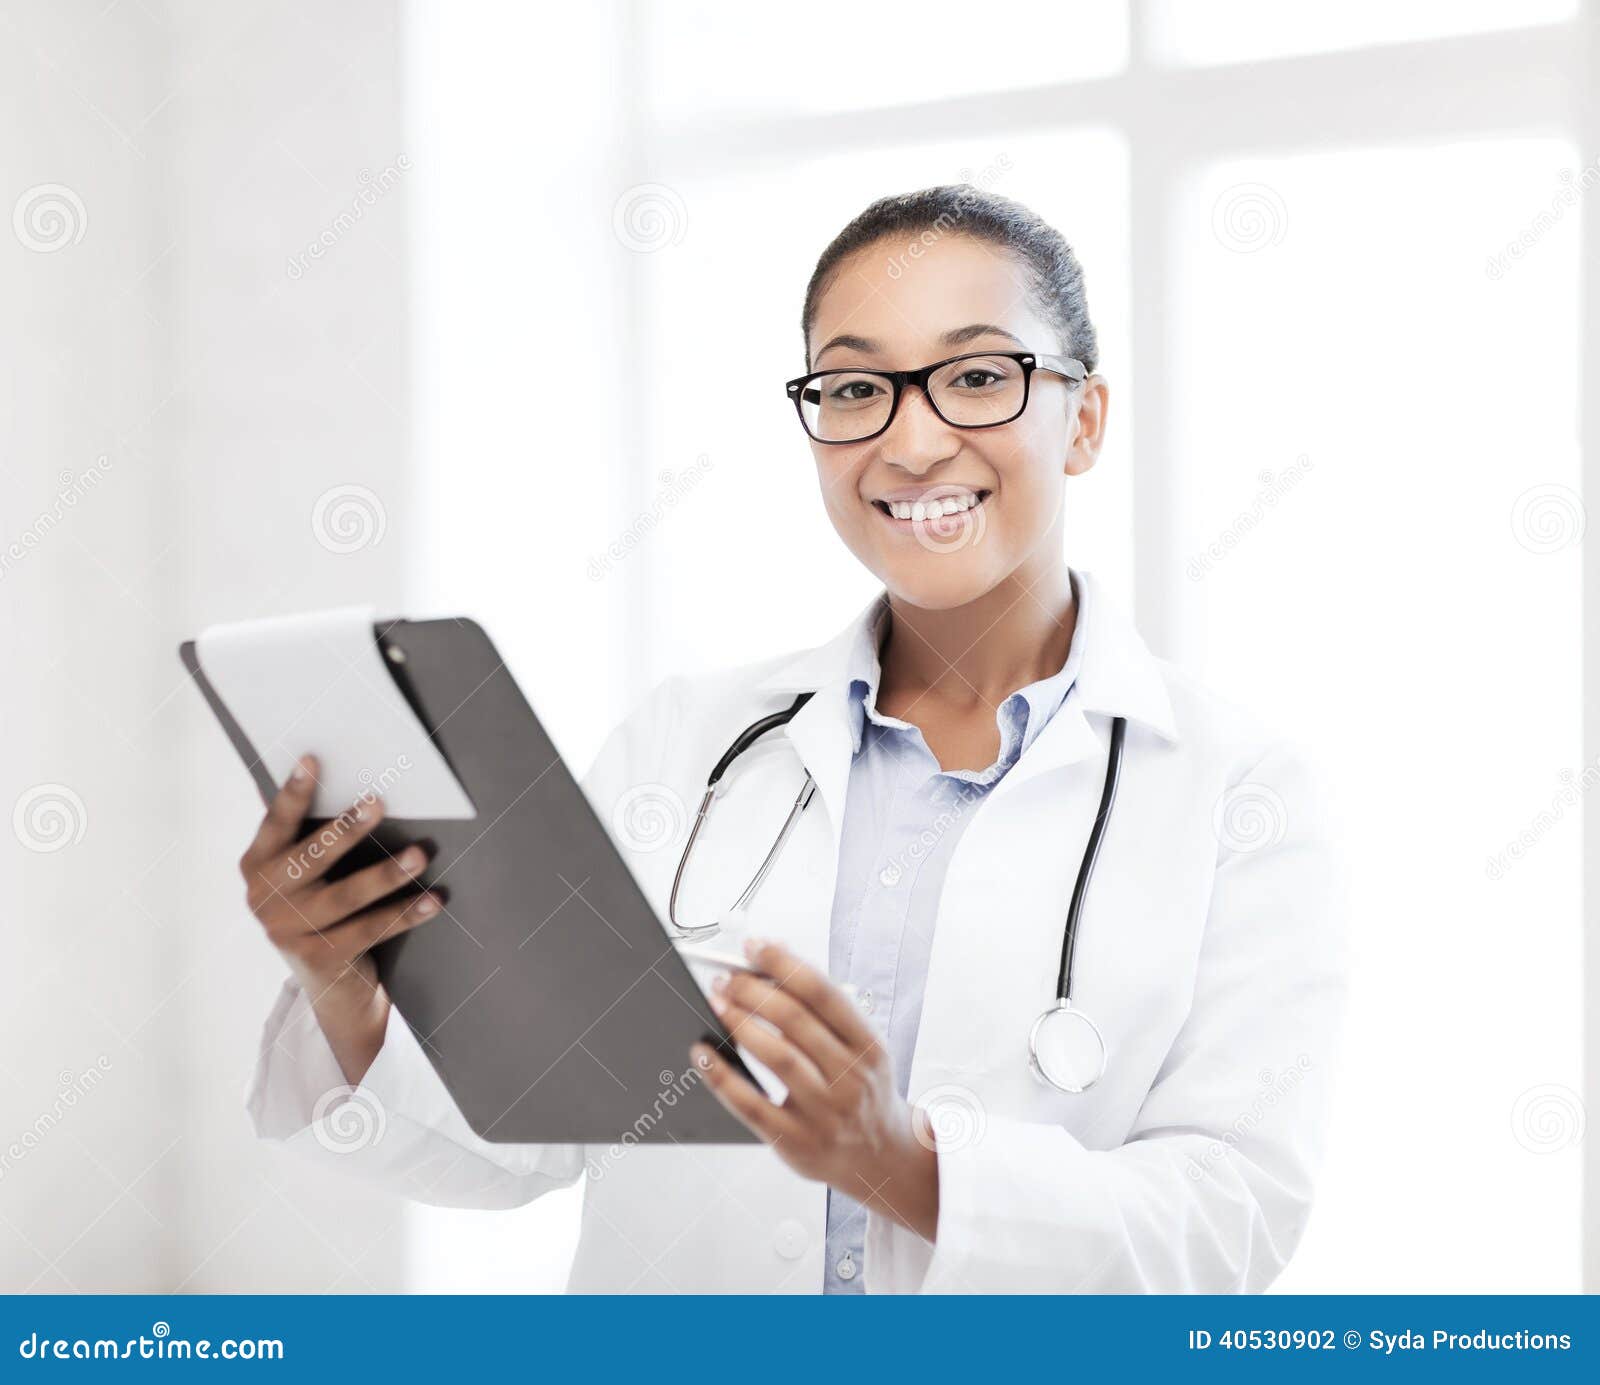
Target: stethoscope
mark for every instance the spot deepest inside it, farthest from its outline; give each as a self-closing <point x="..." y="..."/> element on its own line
<point x="1065" y="1047"/>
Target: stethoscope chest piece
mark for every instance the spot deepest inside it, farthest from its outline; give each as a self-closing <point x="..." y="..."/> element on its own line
<point x="1066" y="1049"/>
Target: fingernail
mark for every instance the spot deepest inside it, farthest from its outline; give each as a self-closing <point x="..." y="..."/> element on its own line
<point x="719" y="1003"/>
<point x="300" y="776"/>
<point x="428" y="906"/>
<point x="753" y="947"/>
<point x="719" y="984"/>
<point x="412" y="858"/>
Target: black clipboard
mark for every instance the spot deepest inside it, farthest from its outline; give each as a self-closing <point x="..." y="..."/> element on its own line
<point x="546" y="994"/>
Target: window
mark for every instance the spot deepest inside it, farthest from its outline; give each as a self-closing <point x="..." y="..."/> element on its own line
<point x="1334" y="263"/>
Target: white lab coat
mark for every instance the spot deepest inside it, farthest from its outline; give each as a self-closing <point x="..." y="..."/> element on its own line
<point x="1209" y="953"/>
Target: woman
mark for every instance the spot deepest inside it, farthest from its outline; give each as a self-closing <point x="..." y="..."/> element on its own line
<point x="959" y="735"/>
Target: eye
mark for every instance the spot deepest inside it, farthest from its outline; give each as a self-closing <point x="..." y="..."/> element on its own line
<point x="853" y="389"/>
<point x="979" y="375"/>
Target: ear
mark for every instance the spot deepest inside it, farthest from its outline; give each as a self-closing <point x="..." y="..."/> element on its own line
<point x="1094" y="400"/>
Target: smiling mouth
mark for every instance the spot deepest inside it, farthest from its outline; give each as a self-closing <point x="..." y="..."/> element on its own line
<point x="940" y="507"/>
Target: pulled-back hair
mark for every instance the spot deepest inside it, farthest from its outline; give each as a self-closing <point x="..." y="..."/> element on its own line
<point x="1053" y="275"/>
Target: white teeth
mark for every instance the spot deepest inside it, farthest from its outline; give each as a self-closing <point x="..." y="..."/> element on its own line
<point x="931" y="509"/>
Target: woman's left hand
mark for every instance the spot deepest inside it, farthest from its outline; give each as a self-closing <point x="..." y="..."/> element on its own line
<point x="844" y="1121"/>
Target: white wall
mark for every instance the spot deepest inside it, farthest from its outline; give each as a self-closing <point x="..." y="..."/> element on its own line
<point x="207" y="145"/>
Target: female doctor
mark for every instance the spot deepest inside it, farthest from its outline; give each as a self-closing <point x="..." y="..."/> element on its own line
<point x="965" y="734"/>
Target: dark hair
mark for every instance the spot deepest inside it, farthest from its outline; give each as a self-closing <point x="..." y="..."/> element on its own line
<point x="1054" y="275"/>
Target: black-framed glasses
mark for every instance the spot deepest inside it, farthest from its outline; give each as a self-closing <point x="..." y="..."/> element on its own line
<point x="981" y="389"/>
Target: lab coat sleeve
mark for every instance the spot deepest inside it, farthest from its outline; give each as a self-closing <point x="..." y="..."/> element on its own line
<point x="1211" y="1190"/>
<point x="400" y="1129"/>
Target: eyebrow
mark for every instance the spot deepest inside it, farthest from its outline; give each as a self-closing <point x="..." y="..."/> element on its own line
<point x="959" y="336"/>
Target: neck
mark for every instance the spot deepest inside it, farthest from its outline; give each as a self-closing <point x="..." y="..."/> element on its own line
<point x="1011" y="636"/>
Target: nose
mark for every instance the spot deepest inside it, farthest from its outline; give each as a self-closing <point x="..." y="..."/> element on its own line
<point x="918" y="439"/>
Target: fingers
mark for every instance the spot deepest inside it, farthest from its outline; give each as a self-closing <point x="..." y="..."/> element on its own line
<point x="312" y="858"/>
<point x="794" y="1068"/>
<point x="285" y="813"/>
<point x="332" y="904"/>
<point x="741" y="1099"/>
<point x="812" y="989"/>
<point x="356" y="936"/>
<point x="797" y="1022"/>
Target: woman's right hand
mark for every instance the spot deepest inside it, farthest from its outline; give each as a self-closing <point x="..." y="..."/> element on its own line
<point x="324" y="930"/>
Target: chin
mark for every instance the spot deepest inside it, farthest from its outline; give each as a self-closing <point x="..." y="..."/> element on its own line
<point x="938" y="581"/>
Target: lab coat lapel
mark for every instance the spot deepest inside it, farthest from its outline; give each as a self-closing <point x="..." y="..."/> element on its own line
<point x="820" y="732"/>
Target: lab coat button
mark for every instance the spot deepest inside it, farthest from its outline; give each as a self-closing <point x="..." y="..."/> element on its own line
<point x="790" y="1239"/>
<point x="864" y="1000"/>
<point x="889" y="876"/>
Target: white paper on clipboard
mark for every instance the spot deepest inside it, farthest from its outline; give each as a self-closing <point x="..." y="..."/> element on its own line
<point x="316" y="684"/>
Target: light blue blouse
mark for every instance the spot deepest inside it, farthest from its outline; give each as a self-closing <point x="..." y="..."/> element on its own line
<point x="903" y="817"/>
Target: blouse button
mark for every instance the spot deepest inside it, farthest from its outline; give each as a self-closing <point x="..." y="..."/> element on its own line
<point x="790" y="1238"/>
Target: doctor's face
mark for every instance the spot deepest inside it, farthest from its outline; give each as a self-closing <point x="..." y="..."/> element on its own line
<point x="942" y="514"/>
